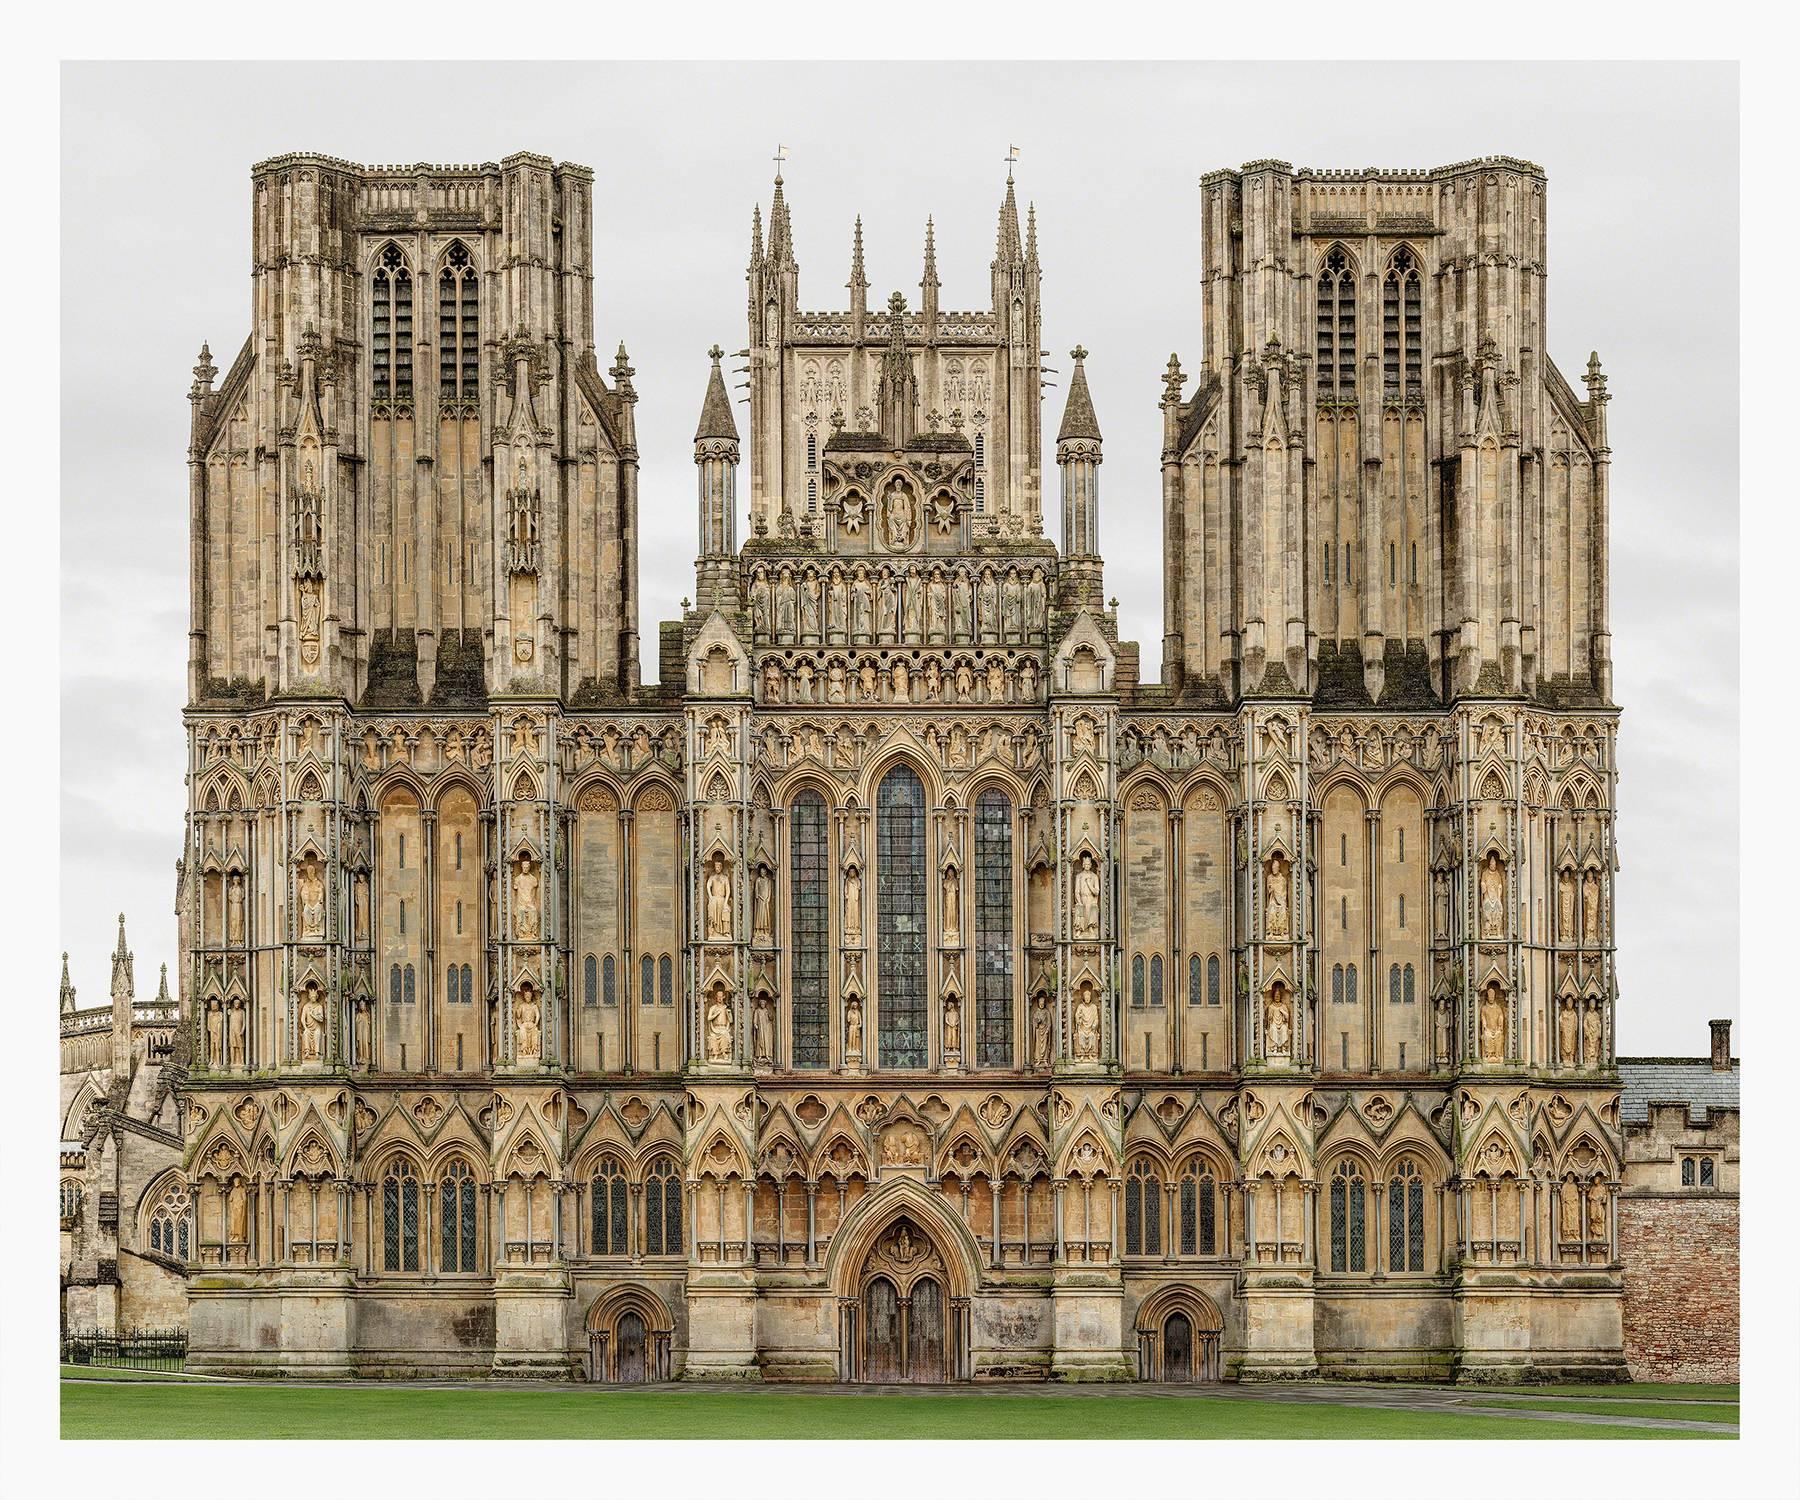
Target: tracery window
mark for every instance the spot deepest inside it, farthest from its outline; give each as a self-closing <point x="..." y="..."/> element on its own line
<point x="400" y="1216"/>
<point x="1407" y="975"/>
<point x="1137" y="980"/>
<point x="590" y="980"/>
<point x="993" y="930"/>
<point x="1402" y="329"/>
<point x="1406" y="1217"/>
<point x="1687" y="1171"/>
<point x="1156" y="979"/>
<point x="1199" y="1222"/>
<point x="1212" y="980"/>
<point x="1337" y="984"/>
<point x="391" y="345"/>
<point x="169" y="1216"/>
<point x="456" y="1218"/>
<point x="1196" y="990"/>
<point x="394" y="984"/>
<point x="1143" y="1209"/>
<point x="1706" y="1171"/>
<point x="459" y="327"/>
<point x="901" y="876"/>
<point x="666" y="980"/>
<point x="611" y="1216"/>
<point x="609" y="981"/>
<point x="809" y="873"/>
<point x="1349" y="1205"/>
<point x="647" y="972"/>
<point x="1349" y="984"/>
<point x="1393" y="984"/>
<point x="410" y="989"/>
<point x="662" y="1208"/>
<point x="1336" y="323"/>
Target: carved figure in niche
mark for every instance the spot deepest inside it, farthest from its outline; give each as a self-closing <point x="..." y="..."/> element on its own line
<point x="237" y="1215"/>
<point x="1567" y="1026"/>
<point x="1087" y="897"/>
<point x="784" y="606"/>
<point x="1590" y="1037"/>
<point x="837" y="606"/>
<point x="718" y="898"/>
<point x="1571" y="1196"/>
<point x="887" y="606"/>
<point x="934" y="681"/>
<point x="360" y="900"/>
<point x="937" y="608"/>
<point x="236" y="1034"/>
<point x="1493" y="1024"/>
<point x="1040" y="1032"/>
<point x="862" y="606"/>
<point x="493" y="1010"/>
<point x="311" y="883"/>
<point x="1446" y="1031"/>
<point x="1034" y="602"/>
<point x="527" y="1024"/>
<point x="362" y="1033"/>
<point x="718" y="1026"/>
<point x="834" y="682"/>
<point x="1275" y="920"/>
<point x="902" y="516"/>
<point x="965" y="682"/>
<point x="312" y="1024"/>
<point x="852" y="906"/>
<point x="809" y="607"/>
<point x="1278" y="1023"/>
<point x="1493" y="896"/>
<point x="771" y="681"/>
<point x="760" y="620"/>
<point x="988" y="606"/>
<point x="952" y="1027"/>
<point x="1087" y="1023"/>
<point x="1028" y="680"/>
<point x="902" y="681"/>
<point x="903" y="1146"/>
<point x="762" y="1030"/>
<point x="234" y="907"/>
<point x="952" y="906"/>
<point x="215" y="1035"/>
<point x="1013" y="606"/>
<point x="525" y="898"/>
<point x="1590" y="907"/>
<point x="853" y="1027"/>
<point x="1597" y="1213"/>
<point x="1081" y="737"/>
<point x="762" y="906"/>
<point x="996" y="680"/>
<point x="1565" y="905"/>
<point x="961" y="605"/>
<point x="912" y="607"/>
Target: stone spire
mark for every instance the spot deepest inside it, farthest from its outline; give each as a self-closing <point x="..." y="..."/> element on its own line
<point x="204" y="374"/>
<point x="716" y="454"/>
<point x="1006" y="248"/>
<point x="1078" y="457"/>
<point x="1031" y="256"/>
<point x="123" y="992"/>
<point x="68" y="990"/>
<point x="1078" y="420"/>
<point x="162" y="988"/>
<point x="859" y="281"/>
<point x="716" y="420"/>
<point x="756" y="243"/>
<point x="121" y="964"/>
<point x="781" y="231"/>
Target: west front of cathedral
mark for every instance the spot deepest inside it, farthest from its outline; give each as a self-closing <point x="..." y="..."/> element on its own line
<point x="903" y="988"/>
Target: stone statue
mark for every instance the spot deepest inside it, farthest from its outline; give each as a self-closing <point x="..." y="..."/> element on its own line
<point x="912" y="608"/>
<point x="234" y="899"/>
<point x="525" y="899"/>
<point x="937" y="609"/>
<point x="1571" y="1196"/>
<point x="237" y="1204"/>
<point x="1565" y="906"/>
<point x="1493" y="896"/>
<point x="784" y="607"/>
<point x="493" y="1019"/>
<point x="1275" y="920"/>
<point x="1590" y="1037"/>
<point x="1590" y="907"/>
<point x="902" y="516"/>
<point x="312" y="898"/>
<point x="1446" y="1031"/>
<point x="760" y="620"/>
<point x="887" y="613"/>
<point x="718" y="899"/>
<point x="762" y="907"/>
<point x="362" y="1033"/>
<point x="215" y="1029"/>
<point x="1493" y="1025"/>
<point x="1087" y="898"/>
<point x="1087" y="1023"/>
<point x="1034" y="603"/>
<point x="852" y="906"/>
<point x="1278" y="1025"/>
<point x="718" y="1027"/>
<point x="837" y="606"/>
<point x="360" y="897"/>
<point x="1567" y="1026"/>
<point x="237" y="1033"/>
<point x="762" y="1030"/>
<point x="312" y="1025"/>
<point x="861" y="607"/>
<point x="809" y="607"/>
<point x="1040" y="1032"/>
<point x="952" y="934"/>
<point x="952" y="1027"/>
<point x="853" y="1027"/>
<point x="961" y="604"/>
<point x="526" y="1025"/>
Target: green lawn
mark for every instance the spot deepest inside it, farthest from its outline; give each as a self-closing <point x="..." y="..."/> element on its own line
<point x="197" y="1410"/>
<point x="1606" y="1406"/>
<point x="1646" y="1390"/>
<point x="106" y="1372"/>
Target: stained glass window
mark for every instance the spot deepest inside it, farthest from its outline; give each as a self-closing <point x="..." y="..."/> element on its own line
<point x="1137" y="980"/>
<point x="1189" y="1213"/>
<point x="1393" y="984"/>
<point x="1349" y="1201"/>
<point x="1196" y="994"/>
<point x="468" y="985"/>
<point x="400" y="1217"/>
<point x="1212" y="980"/>
<point x="609" y="1207"/>
<point x="168" y="1218"/>
<point x="667" y="980"/>
<point x="394" y="984"/>
<point x="609" y="981"/>
<point x="1143" y="1209"/>
<point x="1406" y="1217"/>
<point x="662" y="1209"/>
<point x="1208" y="1241"/>
<point x="900" y="875"/>
<point x="1349" y="984"/>
<point x="590" y="980"/>
<point x="648" y="972"/>
<point x="1408" y="975"/>
<point x="810" y="900"/>
<point x="410" y="987"/>
<point x="994" y="930"/>
<point x="1156" y="979"/>
<point x="1337" y="984"/>
<point x="456" y="1218"/>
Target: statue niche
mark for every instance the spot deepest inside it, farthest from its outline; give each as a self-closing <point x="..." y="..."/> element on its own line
<point x="1493" y="1022"/>
<point x="1275" y="910"/>
<point x="900" y="516"/>
<point x="718" y="898"/>
<point x="528" y="1031"/>
<point x="1278" y="1023"/>
<point x="526" y="911"/>
<point x="1086" y="1023"/>
<point x="1493" y="896"/>
<point x="718" y="1025"/>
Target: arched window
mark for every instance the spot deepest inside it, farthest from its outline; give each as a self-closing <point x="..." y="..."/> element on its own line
<point x="809" y="874"/>
<point x="1337" y="984"/>
<point x="1406" y="1217"/>
<point x="1137" y="979"/>
<point x="1196" y="990"/>
<point x="1199" y="1224"/>
<point x="1393" y="984"/>
<point x="452" y="984"/>
<point x="1706" y="1171"/>
<point x="168" y="1219"/>
<point x="611" y="1221"/>
<point x="900" y="933"/>
<point x="391" y="346"/>
<point x="1156" y="979"/>
<point x="459" y="327"/>
<point x="1349" y="984"/>
<point x="456" y="1218"/>
<point x="1349" y="1204"/>
<point x="1402" y="329"/>
<point x="1687" y="1171"/>
<point x="993" y="930"/>
<point x="70" y="1197"/>
<point x="1143" y="1209"/>
<point x="647" y="974"/>
<point x="609" y="981"/>
<point x="667" y="980"/>
<point x="662" y="1208"/>
<point x="590" y="980"/>
<point x="411" y="992"/>
<point x="400" y="1216"/>
<point x="394" y="984"/>
<point x="1212" y="980"/>
<point x="1407" y="974"/>
<point x="1336" y="321"/>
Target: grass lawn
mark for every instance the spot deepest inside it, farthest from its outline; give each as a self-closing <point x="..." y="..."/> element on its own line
<point x="1646" y="1390"/>
<point x="105" y="1372"/>
<point x="1606" y="1406"/>
<point x="204" y="1410"/>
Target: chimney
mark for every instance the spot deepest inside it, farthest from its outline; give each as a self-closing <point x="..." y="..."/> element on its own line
<point x="1721" y="1046"/>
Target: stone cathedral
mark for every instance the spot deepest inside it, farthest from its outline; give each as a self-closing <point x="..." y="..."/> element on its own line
<point x="903" y="988"/>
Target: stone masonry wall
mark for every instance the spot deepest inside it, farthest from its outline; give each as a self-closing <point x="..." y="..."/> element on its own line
<point x="1681" y="1287"/>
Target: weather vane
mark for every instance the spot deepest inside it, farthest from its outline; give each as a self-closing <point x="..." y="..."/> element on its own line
<point x="781" y="155"/>
<point x="1012" y="155"/>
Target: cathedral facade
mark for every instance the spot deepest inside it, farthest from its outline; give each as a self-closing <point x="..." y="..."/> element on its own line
<point x="903" y="988"/>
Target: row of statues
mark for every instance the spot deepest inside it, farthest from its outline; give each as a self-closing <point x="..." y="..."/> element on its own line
<point x="865" y="604"/>
<point x="900" y="679"/>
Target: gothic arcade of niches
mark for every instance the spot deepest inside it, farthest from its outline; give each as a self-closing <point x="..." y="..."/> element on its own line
<point x="903" y="988"/>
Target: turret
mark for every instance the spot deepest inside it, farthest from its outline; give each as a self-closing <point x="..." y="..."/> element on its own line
<point x="1078" y="457"/>
<point x="67" y="994"/>
<point x="716" y="455"/>
<point x="123" y="991"/>
<point x="1018" y="422"/>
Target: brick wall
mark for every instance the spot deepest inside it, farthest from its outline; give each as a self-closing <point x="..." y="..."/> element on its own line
<point x="1681" y="1286"/>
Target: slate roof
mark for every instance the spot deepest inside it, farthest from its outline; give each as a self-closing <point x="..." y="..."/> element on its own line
<point x="1079" y="420"/>
<point x="716" y="420"/>
<point x="1674" y="1080"/>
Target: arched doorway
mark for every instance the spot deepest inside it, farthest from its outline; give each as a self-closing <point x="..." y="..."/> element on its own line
<point x="905" y="1314"/>
<point x="630" y="1338"/>
<point x="1178" y="1332"/>
<point x="631" y="1349"/>
<point x="1178" y="1348"/>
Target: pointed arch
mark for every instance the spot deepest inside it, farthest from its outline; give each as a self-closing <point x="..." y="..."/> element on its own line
<point x="1335" y="326"/>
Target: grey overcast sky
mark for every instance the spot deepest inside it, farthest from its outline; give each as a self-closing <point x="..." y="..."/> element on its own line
<point x="1643" y="168"/>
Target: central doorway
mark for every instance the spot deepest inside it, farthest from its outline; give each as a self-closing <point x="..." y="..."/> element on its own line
<point x="904" y="1311"/>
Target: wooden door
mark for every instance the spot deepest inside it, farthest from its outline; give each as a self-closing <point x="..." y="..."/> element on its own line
<point x="1178" y="1348"/>
<point x="631" y="1349"/>
<point x="884" y="1358"/>
<point x="925" y="1334"/>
